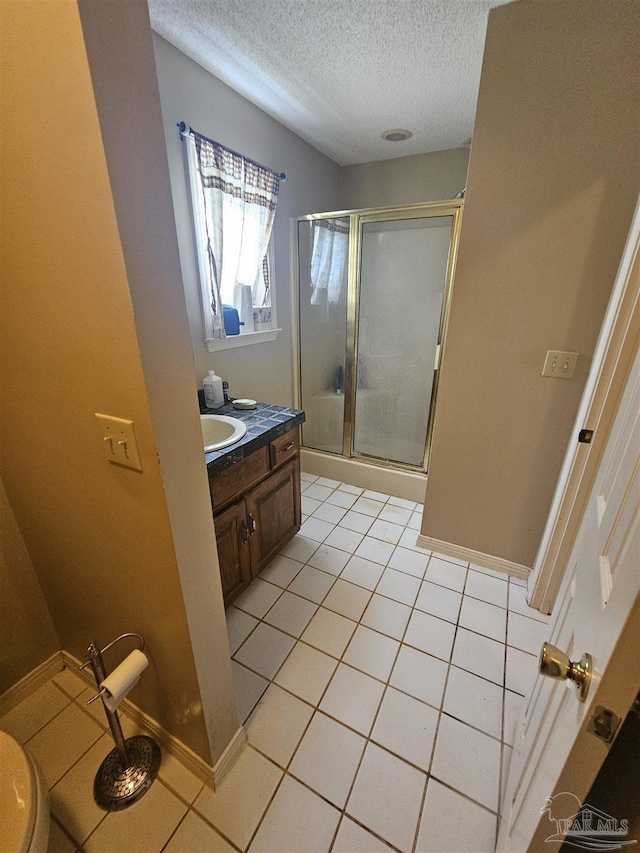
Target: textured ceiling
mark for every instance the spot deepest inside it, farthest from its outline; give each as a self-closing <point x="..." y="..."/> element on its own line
<point x="340" y="72"/>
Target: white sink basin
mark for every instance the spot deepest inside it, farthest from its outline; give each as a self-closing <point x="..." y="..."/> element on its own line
<point x="220" y="431"/>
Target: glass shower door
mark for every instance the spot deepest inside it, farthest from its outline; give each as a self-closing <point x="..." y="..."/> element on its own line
<point x="403" y="279"/>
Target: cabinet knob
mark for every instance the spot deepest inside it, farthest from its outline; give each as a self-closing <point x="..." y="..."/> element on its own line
<point x="288" y="447"/>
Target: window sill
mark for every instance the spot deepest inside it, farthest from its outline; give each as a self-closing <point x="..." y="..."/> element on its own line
<point x="247" y="339"/>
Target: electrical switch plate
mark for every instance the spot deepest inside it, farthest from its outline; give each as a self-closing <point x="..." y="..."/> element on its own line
<point x="119" y="441"/>
<point x="562" y="365"/>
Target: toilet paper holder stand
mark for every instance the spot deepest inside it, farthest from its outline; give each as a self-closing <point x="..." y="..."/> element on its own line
<point x="128" y="771"/>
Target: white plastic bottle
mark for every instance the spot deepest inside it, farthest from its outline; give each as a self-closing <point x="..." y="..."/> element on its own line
<point x="213" y="393"/>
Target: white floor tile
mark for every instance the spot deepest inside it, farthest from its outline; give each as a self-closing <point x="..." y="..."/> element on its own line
<point x="70" y="682"/>
<point x="421" y="676"/>
<point x="353" y="490"/>
<point x="330" y="559"/>
<point x="239" y="626"/>
<point x="62" y="741"/>
<point x="513" y="708"/>
<point x="367" y="506"/>
<point x="315" y="528"/>
<point x="248" y="687"/>
<point x="291" y="613"/>
<point x="352" y="698"/>
<point x="309" y="505"/>
<point x="446" y="573"/>
<point x="439" y="601"/>
<point x="328" y="758"/>
<point x="402" y="502"/>
<point x="347" y="599"/>
<point x="480" y="655"/>
<point x="399" y="586"/>
<point x="356" y="521"/>
<point x="486" y="588"/>
<point x="375" y="550"/>
<point x="385" y="779"/>
<point x="506" y="766"/>
<point x="300" y="548"/>
<point x="468" y="761"/>
<point x="265" y="650"/>
<point x="34" y="712"/>
<point x="483" y="618"/>
<point x="409" y="540"/>
<point x="320" y="493"/>
<point x="430" y="634"/>
<point x="72" y="800"/>
<point x="396" y="514"/>
<point x="196" y="836"/>
<point x="58" y="841"/>
<point x="281" y="571"/>
<point x="407" y="727"/>
<point x="372" y="652"/>
<point x="493" y="573"/>
<point x="525" y="634"/>
<point x="257" y="598"/>
<point x="146" y="826"/>
<point x="415" y="522"/>
<point x="455" y="560"/>
<point x="329" y="632"/>
<point x="387" y="616"/>
<point x="375" y="496"/>
<point x="325" y="481"/>
<point x="180" y="780"/>
<point x="297" y="820"/>
<point x="307" y="478"/>
<point x="277" y="724"/>
<point x="346" y="540"/>
<point x="352" y="838"/>
<point x="410" y="562"/>
<point x="518" y="604"/>
<point x="453" y="824"/>
<point x="521" y="671"/>
<point x="238" y="806"/>
<point x="95" y="709"/>
<point x="312" y="584"/>
<point x="386" y="531"/>
<point x="517" y="581"/>
<point x="362" y="572"/>
<point x="306" y="672"/>
<point x="329" y="512"/>
<point x="343" y="499"/>
<point x="474" y="700"/>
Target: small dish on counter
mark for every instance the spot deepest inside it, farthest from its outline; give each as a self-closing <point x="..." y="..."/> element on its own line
<point x="242" y="403"/>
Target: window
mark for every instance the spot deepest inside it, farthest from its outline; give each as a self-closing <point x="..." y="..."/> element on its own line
<point x="234" y="202"/>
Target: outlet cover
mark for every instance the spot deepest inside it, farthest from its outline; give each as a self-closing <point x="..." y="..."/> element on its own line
<point x="559" y="364"/>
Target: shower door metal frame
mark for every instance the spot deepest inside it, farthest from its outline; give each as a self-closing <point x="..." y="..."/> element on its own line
<point x="357" y="219"/>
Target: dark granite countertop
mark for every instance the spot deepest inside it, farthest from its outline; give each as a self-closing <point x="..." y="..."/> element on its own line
<point x="264" y="423"/>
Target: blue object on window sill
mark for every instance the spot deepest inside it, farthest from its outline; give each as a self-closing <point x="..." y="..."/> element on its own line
<point x="231" y="320"/>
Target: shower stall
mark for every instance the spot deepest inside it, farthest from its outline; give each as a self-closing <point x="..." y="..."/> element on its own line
<point x="374" y="288"/>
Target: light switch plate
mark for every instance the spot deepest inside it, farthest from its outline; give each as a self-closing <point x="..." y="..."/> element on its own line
<point x="119" y="441"/>
<point x="560" y="364"/>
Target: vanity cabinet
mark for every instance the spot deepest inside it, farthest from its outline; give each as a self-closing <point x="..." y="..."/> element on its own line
<point x="256" y="509"/>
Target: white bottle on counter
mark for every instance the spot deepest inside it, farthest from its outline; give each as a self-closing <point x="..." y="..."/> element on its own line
<point x="213" y="393"/>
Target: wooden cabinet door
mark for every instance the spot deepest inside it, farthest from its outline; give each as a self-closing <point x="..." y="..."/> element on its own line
<point x="273" y="513"/>
<point x="233" y="550"/>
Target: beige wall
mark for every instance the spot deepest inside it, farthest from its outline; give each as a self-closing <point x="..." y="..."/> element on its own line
<point x="102" y="538"/>
<point x="27" y="635"/>
<point x="553" y="181"/>
<point x="404" y="180"/>
<point x="191" y="94"/>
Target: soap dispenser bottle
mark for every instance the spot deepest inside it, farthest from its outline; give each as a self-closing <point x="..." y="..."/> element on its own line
<point x="213" y="393"/>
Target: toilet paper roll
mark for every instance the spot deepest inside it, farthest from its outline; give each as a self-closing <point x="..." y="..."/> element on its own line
<point x="243" y="303"/>
<point x="123" y="678"/>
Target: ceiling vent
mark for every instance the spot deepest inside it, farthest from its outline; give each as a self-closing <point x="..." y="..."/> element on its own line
<point x="398" y="134"/>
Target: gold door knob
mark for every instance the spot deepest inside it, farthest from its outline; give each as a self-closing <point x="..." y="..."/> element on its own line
<point x="556" y="664"/>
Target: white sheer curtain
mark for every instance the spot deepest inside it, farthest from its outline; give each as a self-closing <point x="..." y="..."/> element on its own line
<point x="239" y="198"/>
<point x="329" y="257"/>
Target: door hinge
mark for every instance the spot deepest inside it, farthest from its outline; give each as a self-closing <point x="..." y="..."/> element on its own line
<point x="604" y="724"/>
<point x="585" y="436"/>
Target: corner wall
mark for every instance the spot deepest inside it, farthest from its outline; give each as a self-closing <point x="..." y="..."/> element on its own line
<point x="553" y="181"/>
<point x="102" y="538"/>
<point x="190" y="93"/>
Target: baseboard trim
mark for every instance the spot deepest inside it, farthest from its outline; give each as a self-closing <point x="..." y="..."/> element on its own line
<point x="30" y="683"/>
<point x="487" y="561"/>
<point x="197" y="765"/>
<point x="229" y="757"/>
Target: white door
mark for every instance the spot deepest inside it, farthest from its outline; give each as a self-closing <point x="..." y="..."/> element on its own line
<point x="597" y="611"/>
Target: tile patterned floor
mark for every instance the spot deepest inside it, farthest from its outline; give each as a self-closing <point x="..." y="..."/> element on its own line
<point x="379" y="685"/>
